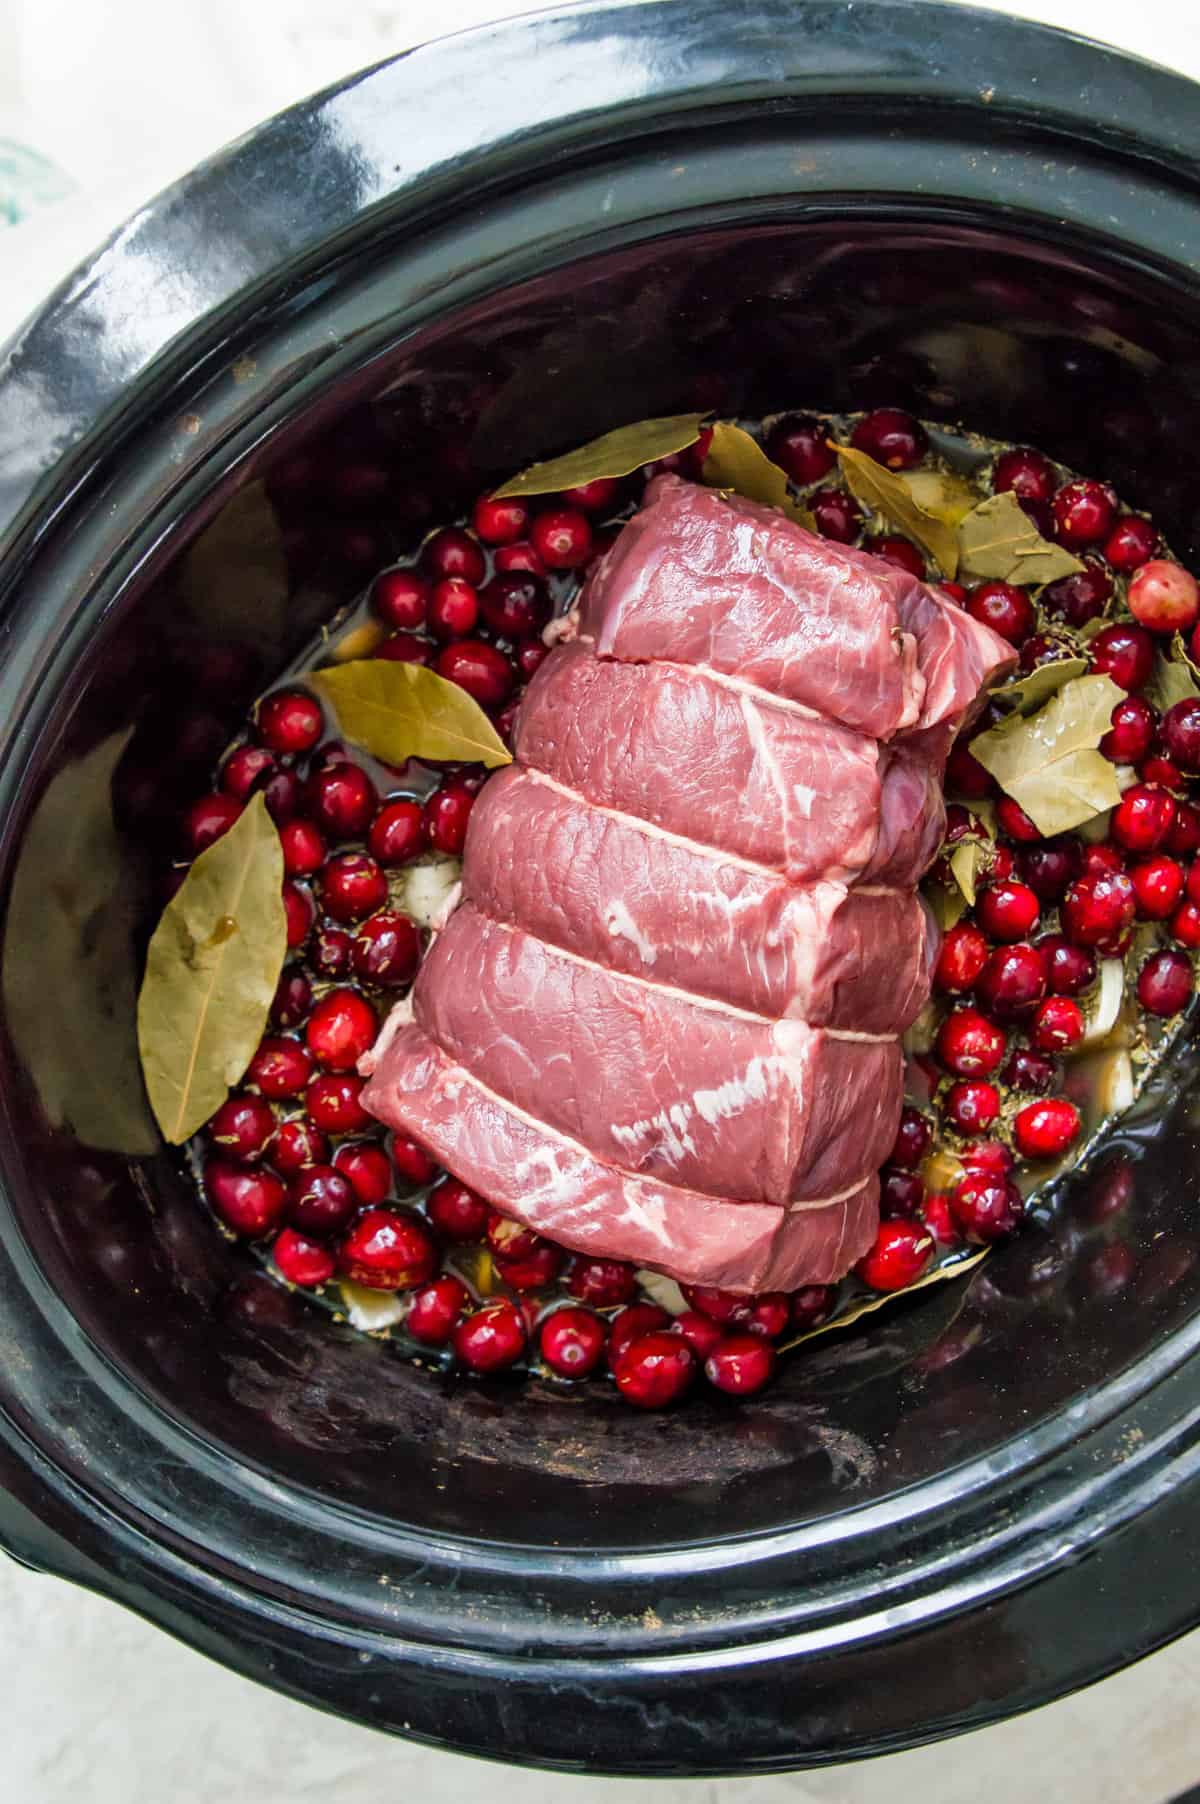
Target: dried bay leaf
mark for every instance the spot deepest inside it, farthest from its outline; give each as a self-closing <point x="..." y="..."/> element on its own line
<point x="616" y="453"/>
<point x="211" y="972"/>
<point x="1027" y="693"/>
<point x="969" y="861"/>
<point x="942" y="493"/>
<point x="1173" y="678"/>
<point x="998" y="542"/>
<point x="857" y="1307"/>
<point x="1049" y="763"/>
<point x="737" y="462"/>
<point x="396" y="711"/>
<point x="886" y="493"/>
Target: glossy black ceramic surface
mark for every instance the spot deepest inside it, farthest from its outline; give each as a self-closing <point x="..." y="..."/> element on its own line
<point x="487" y="250"/>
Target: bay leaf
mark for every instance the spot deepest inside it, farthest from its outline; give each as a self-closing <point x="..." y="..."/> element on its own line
<point x="397" y="711"/>
<point x="942" y="493"/>
<point x="998" y="542"/>
<point x="737" y="462"/>
<point x="1049" y="763"/>
<point x="888" y="493"/>
<point x="1027" y="693"/>
<point x="1173" y="678"/>
<point x="211" y="971"/>
<point x="947" y="903"/>
<point x="616" y="453"/>
<point x="969" y="861"/>
<point x="857" y="1307"/>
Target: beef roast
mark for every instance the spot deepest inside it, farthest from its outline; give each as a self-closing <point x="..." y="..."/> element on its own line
<point x="663" y="1024"/>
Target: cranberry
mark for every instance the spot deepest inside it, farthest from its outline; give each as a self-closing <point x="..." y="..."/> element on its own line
<point x="1035" y="1072"/>
<point x="1007" y="911"/>
<point x="901" y="1253"/>
<point x="321" y="1201"/>
<point x="299" y="914"/>
<point x="208" y="819"/>
<point x="1045" y="1129"/>
<point x="284" y="794"/>
<point x="1132" y="541"/>
<point x="301" y="1261"/>
<point x="532" y="1271"/>
<point x="902" y="554"/>
<point x="1143" y="818"/>
<point x="1003" y="865"/>
<point x="303" y="848"/>
<point x="491" y="1339"/>
<point x="1181" y="734"/>
<point x="1048" y="868"/>
<point x="1100" y="860"/>
<point x="955" y="591"/>
<point x="340" y="1029"/>
<point x="891" y="437"/>
<point x="297" y="1144"/>
<point x="770" y="1314"/>
<point x="367" y="1169"/>
<point x="836" y="515"/>
<point x="1069" y="968"/>
<point x="1099" y="910"/>
<point x="1164" y="597"/>
<point x="562" y="538"/>
<point x="720" y="1305"/>
<point x="436" y="1310"/>
<point x="1165" y="983"/>
<point x="572" y="1342"/>
<point x="987" y="1156"/>
<point x="1084" y="512"/>
<point x="290" y="721"/>
<point x="657" y="1369"/>
<point x="500" y="521"/>
<point x="397" y="833"/>
<point x="410" y="1162"/>
<point x="1041" y="650"/>
<point x="1161" y="772"/>
<point x="387" y="949"/>
<point x="352" y="886"/>
<point x="401" y="599"/>
<point x="972" y="1106"/>
<point x="1080" y="597"/>
<point x="986" y="1205"/>
<point x="520" y="557"/>
<point x="939" y="1219"/>
<point x="913" y="1139"/>
<point x="602" y="1282"/>
<point x="405" y="648"/>
<point x="245" y="770"/>
<point x="342" y="800"/>
<point x="699" y="1331"/>
<point x="598" y="496"/>
<point x="1132" y="732"/>
<point x="530" y="654"/>
<point x="280" y="1068"/>
<point x="515" y="604"/>
<point x="740" y="1364"/>
<point x="962" y="957"/>
<point x="965" y="776"/>
<point x="451" y="552"/>
<point x="630" y="1324"/>
<point x="483" y="671"/>
<point x="1003" y="607"/>
<point x="332" y="1103"/>
<point x="446" y="814"/>
<point x="1057" y="1025"/>
<point x="453" y="608"/>
<point x="1184" y="837"/>
<point x="799" y="444"/>
<point x="812" y="1304"/>
<point x="1185" y="925"/>
<point x="1013" y="820"/>
<point x="456" y="1212"/>
<point x="329" y="954"/>
<point x="242" y="1127"/>
<point x="1124" y="653"/>
<point x="1026" y="474"/>
<point x="249" y="1202"/>
<point x="900" y="1193"/>
<point x="511" y="1239"/>
<point x="970" y="1045"/>
<point x="1157" y="887"/>
<point x="388" y="1250"/>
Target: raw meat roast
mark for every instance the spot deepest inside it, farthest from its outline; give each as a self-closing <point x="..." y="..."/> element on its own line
<point x="664" y="1022"/>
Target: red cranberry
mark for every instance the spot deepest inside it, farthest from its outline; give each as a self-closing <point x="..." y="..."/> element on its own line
<point x="1026" y="474"/>
<point x="453" y="609"/>
<point x="939" y="1219"/>
<point x="900" y="1194"/>
<point x="342" y="800"/>
<point x="1096" y="861"/>
<point x="699" y="1331"/>
<point x="1041" y="650"/>
<point x="387" y="949"/>
<point x="1069" y="968"/>
<point x="1185" y="925"/>
<point x="1099" y="910"/>
<point x="1161" y="772"/>
<point x="530" y="654"/>
<point x="812" y="1304"/>
<point x="340" y="1029"/>
<point x="902" y="554"/>
<point x="657" y="1369"/>
<point x="572" y="1342"/>
<point x="387" y="1250"/>
<point x="770" y="1314"/>
<point x="720" y="1305"/>
<point x="520" y="557"/>
<point x="242" y="1127"/>
<point x="329" y="954"/>
<point x="1003" y="607"/>
<point x="836" y="515"/>
<point x="284" y="794"/>
<point x="397" y="833"/>
<point x="1143" y="818"/>
<point x="1003" y="865"/>
<point x="1164" y="597"/>
<point x="411" y="1162"/>
<point x="332" y="1103"/>
<point x="280" y="1068"/>
<point x="492" y="1339"/>
<point x="321" y="1201"/>
<point x="290" y="721"/>
<point x="208" y="819"/>
<point x="1124" y="653"/>
<point x="1007" y="910"/>
<point x="299" y="914"/>
<point x="446" y="814"/>
<point x="913" y="1139"/>
<point x="245" y="770"/>
<point x="300" y="1261"/>
<point x="297" y="1144"/>
<point x="970" y="1045"/>
<point x="1132" y="732"/>
<point x="1048" y="868"/>
<point x="483" y="671"/>
<point x="515" y="604"/>
<point x="1013" y="820"/>
<point x="401" y="599"/>
<point x="500" y="522"/>
<point x="456" y="1212"/>
<point x="1181" y="734"/>
<point x="1057" y="1025"/>
<point x="962" y="957"/>
<point x="630" y="1324"/>
<point x="602" y="1282"/>
<point x="562" y="538"/>
<point x="352" y="886"/>
<point x="955" y="591"/>
<point x="986" y="1206"/>
<point x="1045" y="1129"/>
<point x="1080" y="597"/>
<point x="454" y="553"/>
<point x="249" y="1202"/>
<point x="598" y="496"/>
<point x="1035" y="1072"/>
<point x="965" y="776"/>
<point x="1084" y="512"/>
<point x="1165" y="983"/>
<point x="900" y="1255"/>
<point x="972" y="1106"/>
<point x="1157" y="887"/>
<point x="1132" y="541"/>
<point x="532" y="1271"/>
<point x="891" y="437"/>
<point x="405" y="648"/>
<point x="367" y="1169"/>
<point x="799" y="444"/>
<point x="303" y="848"/>
<point x="987" y="1156"/>
<point x="437" y="1309"/>
<point x="740" y="1364"/>
<point x="511" y="1239"/>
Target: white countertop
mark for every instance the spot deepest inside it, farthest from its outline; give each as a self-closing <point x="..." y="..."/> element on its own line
<point x="99" y="1708"/>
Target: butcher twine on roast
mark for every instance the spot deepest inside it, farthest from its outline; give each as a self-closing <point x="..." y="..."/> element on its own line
<point x="664" y="1022"/>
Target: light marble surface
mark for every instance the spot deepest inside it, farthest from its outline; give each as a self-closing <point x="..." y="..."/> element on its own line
<point x="99" y="1708"/>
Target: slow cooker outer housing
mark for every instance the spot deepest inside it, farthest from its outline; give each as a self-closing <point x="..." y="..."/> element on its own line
<point x="988" y="1498"/>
